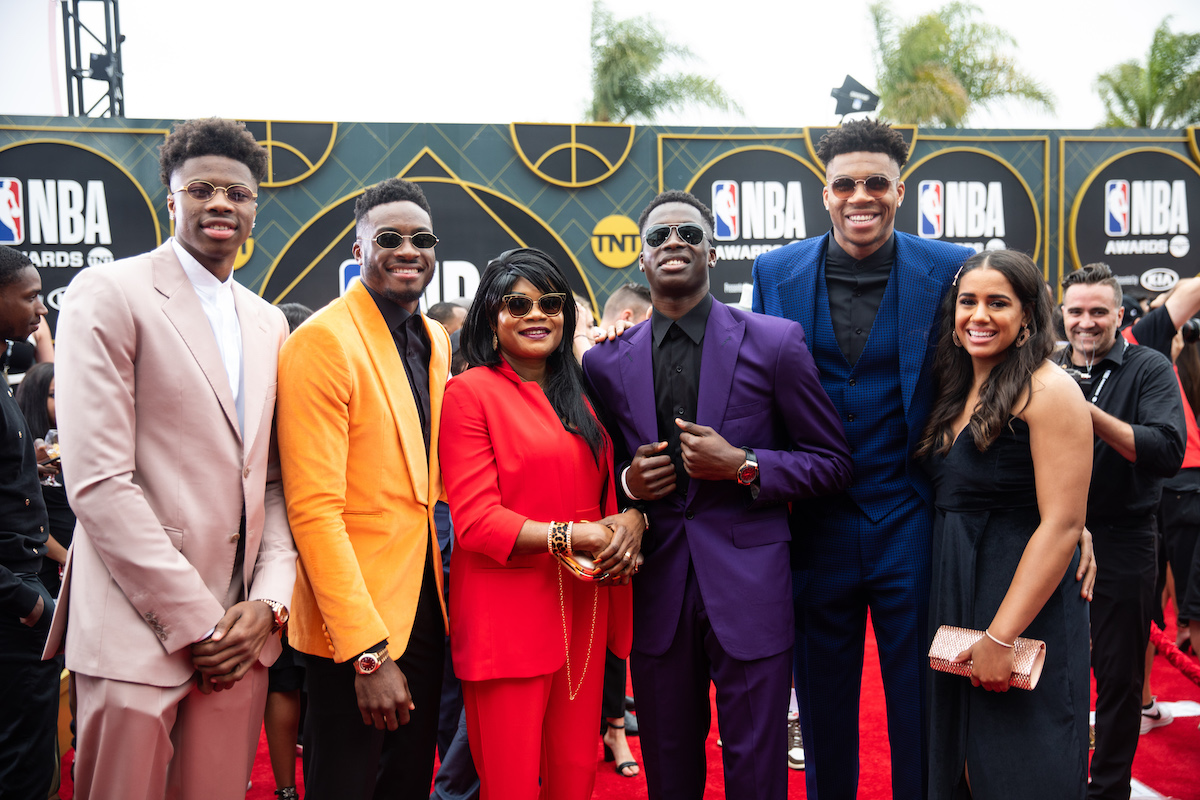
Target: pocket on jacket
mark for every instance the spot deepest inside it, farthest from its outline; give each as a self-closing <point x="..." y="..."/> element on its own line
<point x="175" y="535"/>
<point x="756" y="533"/>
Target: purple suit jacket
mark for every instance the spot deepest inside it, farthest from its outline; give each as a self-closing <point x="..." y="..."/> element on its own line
<point x="758" y="389"/>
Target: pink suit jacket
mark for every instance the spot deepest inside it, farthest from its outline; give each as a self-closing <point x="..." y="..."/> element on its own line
<point x="158" y="472"/>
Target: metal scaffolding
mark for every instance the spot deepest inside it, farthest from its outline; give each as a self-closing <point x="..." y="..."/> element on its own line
<point x="104" y="61"/>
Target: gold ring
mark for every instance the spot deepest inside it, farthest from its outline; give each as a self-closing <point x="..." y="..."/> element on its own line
<point x="628" y="555"/>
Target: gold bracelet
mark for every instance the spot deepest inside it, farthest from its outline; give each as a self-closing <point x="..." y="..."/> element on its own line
<point x="988" y="634"/>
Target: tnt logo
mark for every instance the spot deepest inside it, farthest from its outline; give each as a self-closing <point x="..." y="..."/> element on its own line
<point x="725" y="210"/>
<point x="12" y="212"/>
<point x="1116" y="208"/>
<point x="931" y="207"/>
<point x="616" y="242"/>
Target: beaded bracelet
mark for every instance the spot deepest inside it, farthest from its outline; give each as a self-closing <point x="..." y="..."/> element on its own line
<point x="988" y="634"/>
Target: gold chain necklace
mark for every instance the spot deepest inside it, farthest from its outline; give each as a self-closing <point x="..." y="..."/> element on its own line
<point x="562" y="607"/>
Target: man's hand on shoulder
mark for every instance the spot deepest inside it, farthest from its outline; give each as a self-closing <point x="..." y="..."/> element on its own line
<point x="706" y="454"/>
<point x="224" y="658"/>
<point x="383" y="697"/>
<point x="600" y="334"/>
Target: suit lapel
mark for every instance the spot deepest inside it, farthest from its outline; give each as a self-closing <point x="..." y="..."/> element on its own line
<point x="182" y="307"/>
<point x="801" y="283"/>
<point x="637" y="379"/>
<point x="919" y="296"/>
<point x="256" y="354"/>
<point x="381" y="349"/>
<point x="722" y="342"/>
<point x="439" y="373"/>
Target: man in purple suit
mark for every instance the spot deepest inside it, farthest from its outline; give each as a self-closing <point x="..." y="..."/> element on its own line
<point x="725" y="420"/>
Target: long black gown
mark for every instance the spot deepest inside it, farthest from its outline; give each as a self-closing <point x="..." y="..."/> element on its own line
<point x="1016" y="743"/>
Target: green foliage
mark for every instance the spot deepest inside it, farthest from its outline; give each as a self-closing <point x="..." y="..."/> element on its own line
<point x="628" y="81"/>
<point x="939" y="69"/>
<point x="1163" y="93"/>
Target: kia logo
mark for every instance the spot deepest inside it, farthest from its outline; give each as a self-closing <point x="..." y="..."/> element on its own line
<point x="1159" y="279"/>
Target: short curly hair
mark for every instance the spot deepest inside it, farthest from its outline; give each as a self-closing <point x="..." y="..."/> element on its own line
<point x="863" y="136"/>
<point x="211" y="137"/>
<point x="12" y="264"/>
<point x="393" y="190"/>
<point x="676" y="196"/>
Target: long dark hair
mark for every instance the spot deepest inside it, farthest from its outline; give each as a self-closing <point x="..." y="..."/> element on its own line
<point x="1008" y="379"/>
<point x="31" y="396"/>
<point x="564" y="376"/>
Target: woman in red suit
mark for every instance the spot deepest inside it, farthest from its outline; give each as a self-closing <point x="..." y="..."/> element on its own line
<point x="522" y="455"/>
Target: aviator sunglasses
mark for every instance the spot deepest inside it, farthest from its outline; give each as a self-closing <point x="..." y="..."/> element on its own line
<point x="519" y="305"/>
<point x="657" y="235"/>
<point x="203" y="191"/>
<point x="390" y="240"/>
<point x="876" y="186"/>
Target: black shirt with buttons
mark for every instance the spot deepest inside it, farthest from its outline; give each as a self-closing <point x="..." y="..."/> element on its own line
<point x="678" y="345"/>
<point x="856" y="291"/>
<point x="24" y="525"/>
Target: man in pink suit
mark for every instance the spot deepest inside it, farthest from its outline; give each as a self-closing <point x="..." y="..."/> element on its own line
<point x="182" y="564"/>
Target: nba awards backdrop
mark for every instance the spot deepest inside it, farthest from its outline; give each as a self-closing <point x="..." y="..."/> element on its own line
<point x="80" y="192"/>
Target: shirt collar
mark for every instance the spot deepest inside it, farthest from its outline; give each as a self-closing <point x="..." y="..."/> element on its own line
<point x="1116" y="356"/>
<point x="692" y="323"/>
<point x="886" y="254"/>
<point x="197" y="275"/>
<point x="393" y="314"/>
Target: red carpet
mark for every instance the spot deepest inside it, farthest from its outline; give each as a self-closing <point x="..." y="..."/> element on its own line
<point x="1166" y="760"/>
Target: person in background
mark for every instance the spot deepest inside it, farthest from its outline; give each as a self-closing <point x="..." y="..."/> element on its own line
<point x="35" y="396"/>
<point x="451" y="315"/>
<point x="285" y="678"/>
<point x="28" y="685"/>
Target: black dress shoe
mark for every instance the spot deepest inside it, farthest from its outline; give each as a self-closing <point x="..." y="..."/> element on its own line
<point x="631" y="724"/>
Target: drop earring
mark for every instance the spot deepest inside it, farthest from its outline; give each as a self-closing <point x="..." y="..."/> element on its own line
<point x="954" y="338"/>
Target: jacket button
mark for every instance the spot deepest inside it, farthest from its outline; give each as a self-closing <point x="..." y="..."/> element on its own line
<point x="331" y="649"/>
<point x="246" y="472"/>
<point x="850" y="417"/>
<point x="851" y="381"/>
<point x="235" y="537"/>
<point x="690" y="514"/>
<point x="26" y="501"/>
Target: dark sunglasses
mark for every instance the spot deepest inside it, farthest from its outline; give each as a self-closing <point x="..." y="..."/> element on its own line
<point x="876" y="186"/>
<point x="204" y="191"/>
<point x="657" y="235"/>
<point x="519" y="305"/>
<point x="390" y="240"/>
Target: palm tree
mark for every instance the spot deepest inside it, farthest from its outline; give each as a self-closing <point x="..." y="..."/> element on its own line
<point x="1165" y="93"/>
<point x="627" y="77"/>
<point x="939" y="69"/>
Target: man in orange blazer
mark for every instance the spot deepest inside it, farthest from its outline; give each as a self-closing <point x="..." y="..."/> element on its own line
<point x="182" y="565"/>
<point x="360" y="396"/>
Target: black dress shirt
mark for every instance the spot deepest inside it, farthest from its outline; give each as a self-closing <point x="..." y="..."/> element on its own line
<point x="1136" y="385"/>
<point x="855" y="293"/>
<point x="23" y="523"/>
<point x="678" y="345"/>
<point x="412" y="343"/>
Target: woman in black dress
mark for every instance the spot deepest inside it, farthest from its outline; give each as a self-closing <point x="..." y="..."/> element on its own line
<point x="1009" y="447"/>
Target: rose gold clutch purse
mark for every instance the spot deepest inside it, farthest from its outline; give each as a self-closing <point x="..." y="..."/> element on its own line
<point x="580" y="565"/>
<point x="1028" y="655"/>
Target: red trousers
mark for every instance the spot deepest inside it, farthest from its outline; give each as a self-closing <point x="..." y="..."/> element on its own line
<point x="523" y="728"/>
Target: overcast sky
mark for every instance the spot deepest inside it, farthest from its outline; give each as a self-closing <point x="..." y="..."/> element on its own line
<point x="484" y="61"/>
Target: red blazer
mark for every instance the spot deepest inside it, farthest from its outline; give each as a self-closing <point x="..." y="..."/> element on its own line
<point x="506" y="458"/>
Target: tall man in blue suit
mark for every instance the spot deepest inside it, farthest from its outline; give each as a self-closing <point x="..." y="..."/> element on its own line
<point x="726" y="422"/>
<point x="867" y="297"/>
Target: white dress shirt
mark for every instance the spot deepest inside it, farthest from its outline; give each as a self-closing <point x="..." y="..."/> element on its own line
<point x="216" y="298"/>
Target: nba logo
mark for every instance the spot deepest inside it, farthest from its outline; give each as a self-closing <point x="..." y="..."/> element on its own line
<point x="931" y="209"/>
<point x="12" y="212"/>
<point x="349" y="272"/>
<point x="1116" y="208"/>
<point x="725" y="209"/>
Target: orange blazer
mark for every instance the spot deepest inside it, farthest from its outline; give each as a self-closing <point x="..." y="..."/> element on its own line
<point x="508" y="459"/>
<point x="360" y="488"/>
